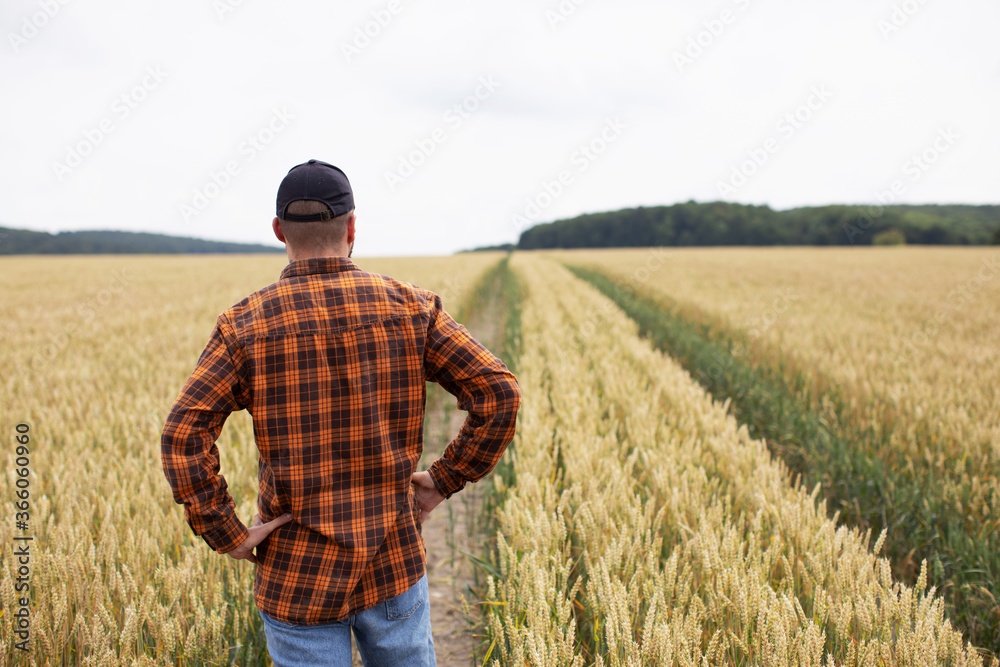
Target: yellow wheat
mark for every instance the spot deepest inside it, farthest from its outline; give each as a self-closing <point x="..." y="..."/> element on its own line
<point x="95" y="350"/>
<point x="646" y="528"/>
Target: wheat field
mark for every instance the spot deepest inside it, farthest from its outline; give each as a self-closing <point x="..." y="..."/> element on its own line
<point x="635" y="521"/>
<point x="905" y="331"/>
<point x="644" y="527"/>
<point x="96" y="349"/>
<point x="892" y="350"/>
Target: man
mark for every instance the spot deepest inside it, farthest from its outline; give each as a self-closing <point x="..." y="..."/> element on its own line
<point x="331" y="363"/>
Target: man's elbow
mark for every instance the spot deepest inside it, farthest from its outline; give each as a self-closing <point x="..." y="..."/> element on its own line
<point x="510" y="401"/>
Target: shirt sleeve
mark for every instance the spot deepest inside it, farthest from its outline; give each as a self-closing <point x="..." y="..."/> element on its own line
<point x="485" y="388"/>
<point x="188" y="444"/>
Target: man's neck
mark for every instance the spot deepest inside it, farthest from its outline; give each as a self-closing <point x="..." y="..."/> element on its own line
<point x="296" y="255"/>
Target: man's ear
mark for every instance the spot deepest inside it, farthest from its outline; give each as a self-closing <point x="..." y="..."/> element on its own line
<point x="350" y="229"/>
<point x="276" y="226"/>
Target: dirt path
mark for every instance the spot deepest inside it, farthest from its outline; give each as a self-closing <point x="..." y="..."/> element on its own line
<point x="448" y="532"/>
<point x="455" y="528"/>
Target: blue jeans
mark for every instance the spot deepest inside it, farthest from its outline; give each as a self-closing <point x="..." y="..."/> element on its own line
<point x="394" y="632"/>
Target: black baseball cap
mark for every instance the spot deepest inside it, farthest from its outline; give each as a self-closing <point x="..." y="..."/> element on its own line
<point x="315" y="181"/>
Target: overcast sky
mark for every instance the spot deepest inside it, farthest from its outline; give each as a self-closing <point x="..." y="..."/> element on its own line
<point x="460" y="123"/>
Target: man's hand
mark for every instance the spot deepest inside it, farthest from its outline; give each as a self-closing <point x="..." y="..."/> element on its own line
<point x="258" y="533"/>
<point x="425" y="492"/>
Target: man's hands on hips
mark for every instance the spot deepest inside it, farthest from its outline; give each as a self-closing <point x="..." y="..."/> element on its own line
<point x="425" y="492"/>
<point x="258" y="532"/>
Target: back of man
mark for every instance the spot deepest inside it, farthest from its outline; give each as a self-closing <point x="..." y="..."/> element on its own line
<point x="331" y="363"/>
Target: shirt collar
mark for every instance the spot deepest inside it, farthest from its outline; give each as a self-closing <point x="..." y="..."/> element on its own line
<point x="305" y="267"/>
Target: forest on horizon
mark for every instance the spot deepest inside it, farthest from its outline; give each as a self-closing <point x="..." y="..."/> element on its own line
<point x="728" y="224"/>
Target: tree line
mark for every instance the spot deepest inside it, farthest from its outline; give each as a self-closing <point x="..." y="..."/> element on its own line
<point x="728" y="224"/>
<point x="25" y="242"/>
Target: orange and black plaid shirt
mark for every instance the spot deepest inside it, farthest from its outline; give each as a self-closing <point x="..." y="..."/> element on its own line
<point x="331" y="363"/>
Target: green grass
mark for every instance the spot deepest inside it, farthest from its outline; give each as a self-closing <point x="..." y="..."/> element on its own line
<point x="492" y="313"/>
<point x="498" y="299"/>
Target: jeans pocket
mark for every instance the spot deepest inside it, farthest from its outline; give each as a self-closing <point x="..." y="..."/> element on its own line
<point x="403" y="605"/>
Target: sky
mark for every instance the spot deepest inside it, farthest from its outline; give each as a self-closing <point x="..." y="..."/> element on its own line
<point x="460" y="124"/>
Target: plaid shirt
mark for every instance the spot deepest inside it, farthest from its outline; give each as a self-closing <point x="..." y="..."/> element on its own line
<point x="331" y="363"/>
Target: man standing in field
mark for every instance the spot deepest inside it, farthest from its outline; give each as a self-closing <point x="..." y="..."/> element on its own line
<point x="331" y="362"/>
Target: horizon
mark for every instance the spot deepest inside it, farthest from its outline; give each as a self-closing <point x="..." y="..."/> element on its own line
<point x="863" y="209"/>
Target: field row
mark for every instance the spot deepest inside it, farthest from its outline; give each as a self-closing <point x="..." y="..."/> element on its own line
<point x="872" y="372"/>
<point x="909" y="334"/>
<point x="644" y="527"/>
